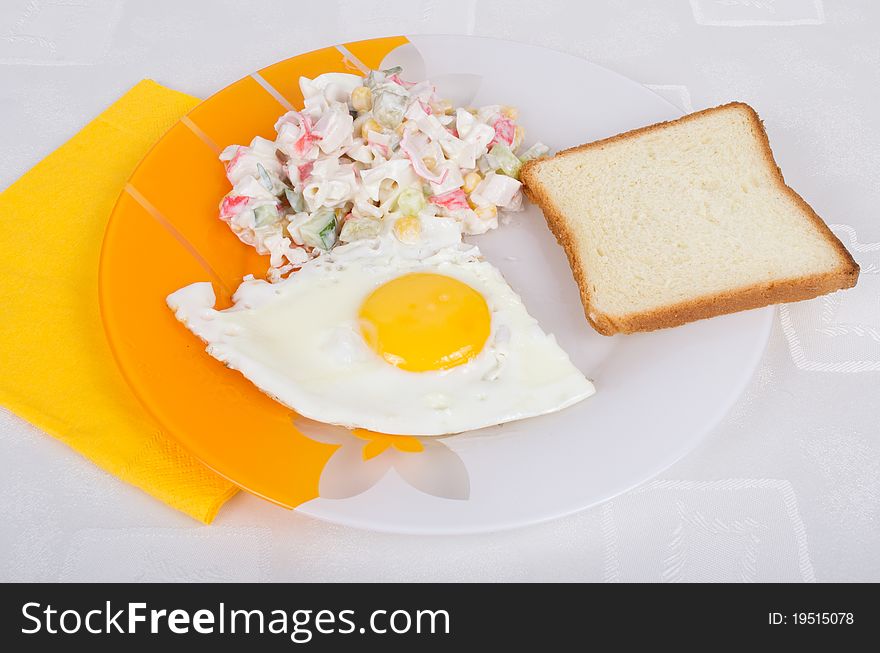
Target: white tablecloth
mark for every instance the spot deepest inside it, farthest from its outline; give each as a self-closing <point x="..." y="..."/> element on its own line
<point x="787" y="488"/>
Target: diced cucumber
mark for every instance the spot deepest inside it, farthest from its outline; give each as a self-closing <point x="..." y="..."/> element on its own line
<point x="264" y="178"/>
<point x="328" y="234"/>
<point x="295" y="199"/>
<point x="372" y="80"/>
<point x="411" y="200"/>
<point x="535" y="151"/>
<point x="389" y="106"/>
<point x="505" y="160"/>
<point x="320" y="230"/>
<point x="266" y="215"/>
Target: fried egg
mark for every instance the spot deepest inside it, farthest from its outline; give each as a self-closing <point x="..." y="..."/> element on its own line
<point x="413" y="339"/>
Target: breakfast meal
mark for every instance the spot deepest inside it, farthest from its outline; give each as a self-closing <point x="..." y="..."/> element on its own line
<point x="684" y="220"/>
<point x="375" y="314"/>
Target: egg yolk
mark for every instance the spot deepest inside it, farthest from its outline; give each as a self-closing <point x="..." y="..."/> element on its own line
<point x="423" y="321"/>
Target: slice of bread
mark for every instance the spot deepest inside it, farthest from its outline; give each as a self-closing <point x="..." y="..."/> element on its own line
<point x="684" y="220"/>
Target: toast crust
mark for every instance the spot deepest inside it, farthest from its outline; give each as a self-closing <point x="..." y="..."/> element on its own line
<point x="745" y="298"/>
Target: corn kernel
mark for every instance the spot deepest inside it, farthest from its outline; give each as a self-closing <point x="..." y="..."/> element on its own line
<point x="471" y="181"/>
<point x="518" y="135"/>
<point x="510" y="112"/>
<point x="370" y="126"/>
<point x="361" y="99"/>
<point x="488" y="212"/>
<point x="430" y="162"/>
<point x="408" y="229"/>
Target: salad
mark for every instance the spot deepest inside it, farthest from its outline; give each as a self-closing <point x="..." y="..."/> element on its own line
<point x="366" y="150"/>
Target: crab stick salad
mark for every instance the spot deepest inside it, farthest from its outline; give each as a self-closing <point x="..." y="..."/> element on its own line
<point x="364" y="151"/>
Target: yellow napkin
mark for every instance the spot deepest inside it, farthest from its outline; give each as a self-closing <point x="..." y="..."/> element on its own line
<point x="56" y="369"/>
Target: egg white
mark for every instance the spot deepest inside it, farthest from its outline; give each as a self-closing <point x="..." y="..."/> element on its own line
<point x="299" y="341"/>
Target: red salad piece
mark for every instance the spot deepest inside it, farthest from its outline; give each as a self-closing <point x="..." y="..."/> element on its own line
<point x="452" y="200"/>
<point x="232" y="204"/>
<point x="308" y="138"/>
<point x="504" y="131"/>
<point x="305" y="171"/>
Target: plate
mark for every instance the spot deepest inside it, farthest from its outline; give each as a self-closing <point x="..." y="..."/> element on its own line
<point x="658" y="394"/>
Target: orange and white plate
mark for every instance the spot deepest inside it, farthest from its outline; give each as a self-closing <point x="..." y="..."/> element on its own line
<point x="658" y="394"/>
